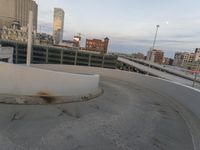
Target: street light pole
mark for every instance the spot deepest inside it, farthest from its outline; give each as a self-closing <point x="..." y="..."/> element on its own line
<point x="154" y="43"/>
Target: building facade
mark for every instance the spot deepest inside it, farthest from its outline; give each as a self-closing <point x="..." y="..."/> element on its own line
<point x="197" y="54"/>
<point x="14" y="34"/>
<point x="17" y="10"/>
<point x="43" y="39"/>
<point x="138" y="56"/>
<point x="45" y="54"/>
<point x="6" y="54"/>
<point x="184" y="59"/>
<point x="168" y="61"/>
<point x="58" y="25"/>
<point x="156" y="56"/>
<point x="178" y="59"/>
<point x="97" y="45"/>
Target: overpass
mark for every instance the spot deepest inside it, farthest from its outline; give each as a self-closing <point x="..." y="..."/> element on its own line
<point x="158" y="71"/>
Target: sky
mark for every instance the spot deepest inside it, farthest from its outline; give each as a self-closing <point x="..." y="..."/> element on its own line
<point x="129" y="24"/>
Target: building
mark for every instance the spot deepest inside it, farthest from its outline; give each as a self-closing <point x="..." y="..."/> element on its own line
<point x="97" y="45"/>
<point x="43" y="39"/>
<point x="46" y="54"/>
<point x="11" y="10"/>
<point x="187" y="58"/>
<point x="191" y="58"/>
<point x="68" y="43"/>
<point x="184" y="59"/>
<point x="197" y="54"/>
<point x="58" y="25"/>
<point x="14" y="34"/>
<point x="77" y="39"/>
<point x="138" y="56"/>
<point x="156" y="56"/>
<point x="6" y="54"/>
<point x="178" y="59"/>
<point x="168" y="61"/>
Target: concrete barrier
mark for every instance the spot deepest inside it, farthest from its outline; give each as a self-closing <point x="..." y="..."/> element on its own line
<point x="29" y="81"/>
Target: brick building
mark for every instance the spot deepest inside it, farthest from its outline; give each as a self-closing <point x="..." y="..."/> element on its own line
<point x="156" y="56"/>
<point x="97" y="45"/>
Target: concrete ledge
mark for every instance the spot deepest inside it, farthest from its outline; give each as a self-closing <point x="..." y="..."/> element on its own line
<point x="17" y="80"/>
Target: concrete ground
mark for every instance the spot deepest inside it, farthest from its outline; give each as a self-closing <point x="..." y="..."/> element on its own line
<point x="125" y="117"/>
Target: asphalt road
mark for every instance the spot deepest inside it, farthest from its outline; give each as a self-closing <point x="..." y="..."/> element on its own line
<point x="125" y="117"/>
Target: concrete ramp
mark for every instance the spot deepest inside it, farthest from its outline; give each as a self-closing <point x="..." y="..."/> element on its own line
<point x="23" y="81"/>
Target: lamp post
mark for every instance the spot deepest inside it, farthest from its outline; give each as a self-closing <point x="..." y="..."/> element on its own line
<point x="154" y="43"/>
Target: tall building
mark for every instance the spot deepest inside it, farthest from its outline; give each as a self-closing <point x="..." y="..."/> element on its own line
<point x="97" y="45"/>
<point x="17" y="10"/>
<point x="156" y="56"/>
<point x="58" y="25"/>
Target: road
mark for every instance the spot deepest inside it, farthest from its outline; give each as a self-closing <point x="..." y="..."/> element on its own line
<point x="159" y="73"/>
<point x="125" y="117"/>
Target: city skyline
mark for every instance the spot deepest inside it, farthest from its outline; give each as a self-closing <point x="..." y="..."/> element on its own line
<point x="129" y="24"/>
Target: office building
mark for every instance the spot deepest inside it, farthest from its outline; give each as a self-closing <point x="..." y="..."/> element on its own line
<point x="97" y="45"/>
<point x="156" y="56"/>
<point x="17" y="10"/>
<point x="58" y="25"/>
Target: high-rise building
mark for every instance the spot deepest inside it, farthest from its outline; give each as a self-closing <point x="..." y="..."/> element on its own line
<point x="17" y="10"/>
<point x="58" y="25"/>
<point x="97" y="45"/>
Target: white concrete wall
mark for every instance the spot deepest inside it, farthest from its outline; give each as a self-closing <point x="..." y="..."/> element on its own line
<point x="188" y="97"/>
<point x="22" y="80"/>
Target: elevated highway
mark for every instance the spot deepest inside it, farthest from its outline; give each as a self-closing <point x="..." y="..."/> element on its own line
<point x="159" y="71"/>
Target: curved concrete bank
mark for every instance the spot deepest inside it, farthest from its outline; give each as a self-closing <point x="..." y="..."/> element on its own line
<point x="187" y="97"/>
<point x="28" y="81"/>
